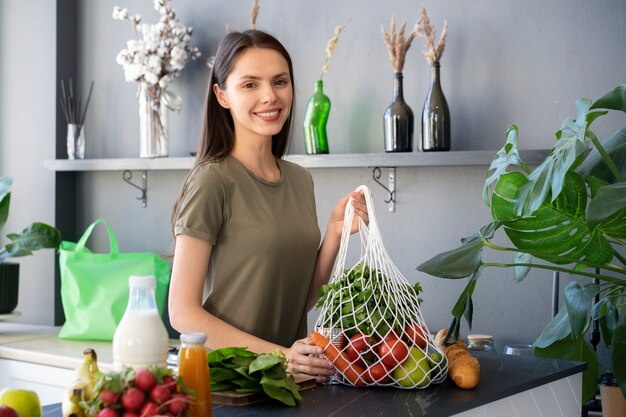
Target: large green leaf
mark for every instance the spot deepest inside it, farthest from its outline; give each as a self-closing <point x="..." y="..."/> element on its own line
<point x="608" y="200"/>
<point x="578" y="301"/>
<point x="520" y="272"/>
<point x="34" y="237"/>
<point x="550" y="175"/>
<point x="618" y="356"/>
<point x="557" y="228"/>
<point x="594" y="165"/>
<point x="576" y="350"/>
<point x="5" y="202"/>
<point x="607" y="314"/>
<point x="462" y="261"/>
<point x="558" y="328"/>
<point x="505" y="157"/>
<point x="5" y="199"/>
<point x="614" y="99"/>
<point x="463" y="307"/>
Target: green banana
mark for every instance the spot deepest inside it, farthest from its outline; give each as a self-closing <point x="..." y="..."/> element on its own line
<point x="82" y="388"/>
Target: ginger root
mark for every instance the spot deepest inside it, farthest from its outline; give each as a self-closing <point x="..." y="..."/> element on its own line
<point x="464" y="368"/>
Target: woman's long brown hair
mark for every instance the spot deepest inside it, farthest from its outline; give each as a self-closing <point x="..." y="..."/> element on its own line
<point x="218" y="132"/>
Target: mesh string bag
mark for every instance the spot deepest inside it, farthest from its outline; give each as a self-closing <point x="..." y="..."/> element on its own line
<point x="371" y="314"/>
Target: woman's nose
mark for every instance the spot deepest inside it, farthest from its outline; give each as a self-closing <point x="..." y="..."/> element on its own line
<point x="268" y="95"/>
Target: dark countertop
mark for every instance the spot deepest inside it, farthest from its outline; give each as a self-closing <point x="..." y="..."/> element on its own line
<point x="501" y="376"/>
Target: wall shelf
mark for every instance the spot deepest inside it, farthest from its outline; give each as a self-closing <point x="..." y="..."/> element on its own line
<point x="391" y="161"/>
<point x="359" y="160"/>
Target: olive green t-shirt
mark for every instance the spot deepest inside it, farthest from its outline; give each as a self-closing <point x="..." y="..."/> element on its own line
<point x="265" y="238"/>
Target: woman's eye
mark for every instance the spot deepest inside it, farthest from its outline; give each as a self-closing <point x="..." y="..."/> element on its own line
<point x="281" y="82"/>
<point x="248" y="85"/>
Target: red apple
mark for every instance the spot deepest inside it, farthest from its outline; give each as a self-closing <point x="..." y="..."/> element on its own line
<point x="6" y="411"/>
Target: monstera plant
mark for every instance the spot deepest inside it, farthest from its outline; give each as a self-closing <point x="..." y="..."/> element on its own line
<point x="567" y="215"/>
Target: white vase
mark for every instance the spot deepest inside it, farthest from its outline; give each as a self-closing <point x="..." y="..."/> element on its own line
<point x="153" y="134"/>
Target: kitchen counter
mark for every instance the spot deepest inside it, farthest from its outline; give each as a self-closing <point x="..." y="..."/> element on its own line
<point x="509" y="385"/>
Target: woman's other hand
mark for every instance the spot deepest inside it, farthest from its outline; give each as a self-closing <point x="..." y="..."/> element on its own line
<point x="303" y="358"/>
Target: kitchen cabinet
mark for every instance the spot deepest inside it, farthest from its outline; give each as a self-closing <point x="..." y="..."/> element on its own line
<point x="49" y="382"/>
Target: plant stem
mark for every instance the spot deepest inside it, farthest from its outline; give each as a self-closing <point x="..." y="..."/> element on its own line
<point x="564" y="258"/>
<point x="607" y="159"/>
<point x="606" y="278"/>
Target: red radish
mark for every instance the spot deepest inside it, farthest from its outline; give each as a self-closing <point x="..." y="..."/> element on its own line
<point x="108" y="412"/>
<point x="109" y="397"/>
<point x="179" y="403"/>
<point x="133" y="399"/>
<point x="160" y="394"/>
<point x="170" y="381"/>
<point x="145" y="379"/>
<point x="150" y="409"/>
<point x="130" y="414"/>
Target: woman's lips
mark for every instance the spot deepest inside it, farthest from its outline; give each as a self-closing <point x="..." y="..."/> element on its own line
<point x="268" y="115"/>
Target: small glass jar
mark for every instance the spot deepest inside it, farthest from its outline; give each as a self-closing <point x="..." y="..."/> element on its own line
<point x="480" y="342"/>
<point x="193" y="368"/>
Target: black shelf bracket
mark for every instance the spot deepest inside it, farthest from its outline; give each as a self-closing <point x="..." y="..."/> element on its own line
<point x="390" y="187"/>
<point x="127" y="176"/>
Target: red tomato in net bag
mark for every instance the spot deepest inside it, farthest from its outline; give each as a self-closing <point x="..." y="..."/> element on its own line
<point x="358" y="345"/>
<point x="393" y="351"/>
<point x="377" y="373"/>
<point x="416" y="335"/>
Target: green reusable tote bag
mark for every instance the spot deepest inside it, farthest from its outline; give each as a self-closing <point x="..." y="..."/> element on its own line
<point x="94" y="286"/>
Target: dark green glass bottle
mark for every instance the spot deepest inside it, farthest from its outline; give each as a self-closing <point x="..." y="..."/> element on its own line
<point x="398" y="121"/>
<point x="315" y="118"/>
<point x="435" y="116"/>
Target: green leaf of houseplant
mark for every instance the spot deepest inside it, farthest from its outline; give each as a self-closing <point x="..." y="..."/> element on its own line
<point x="557" y="329"/>
<point x="558" y="228"/>
<point x="462" y="261"/>
<point x="594" y="164"/>
<point x="5" y="199"/>
<point x="34" y="237"/>
<point x="575" y="350"/>
<point x="608" y="200"/>
<point x="519" y="271"/>
<point x="618" y="356"/>
<point x="463" y="307"/>
<point x="505" y="157"/>
<point x="578" y="301"/>
<point x="608" y="316"/>
<point x="614" y="99"/>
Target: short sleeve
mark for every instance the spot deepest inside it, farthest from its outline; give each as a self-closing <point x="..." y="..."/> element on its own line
<point x="201" y="210"/>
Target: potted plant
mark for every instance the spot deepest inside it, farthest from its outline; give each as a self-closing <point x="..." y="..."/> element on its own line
<point x="566" y="215"/>
<point x="34" y="237"/>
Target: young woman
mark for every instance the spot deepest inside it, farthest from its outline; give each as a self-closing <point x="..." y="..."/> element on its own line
<point x="245" y="223"/>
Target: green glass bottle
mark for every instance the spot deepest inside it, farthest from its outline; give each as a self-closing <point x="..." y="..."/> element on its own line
<point x="315" y="118"/>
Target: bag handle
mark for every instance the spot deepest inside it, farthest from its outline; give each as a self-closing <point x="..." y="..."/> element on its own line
<point x="369" y="233"/>
<point x="113" y="246"/>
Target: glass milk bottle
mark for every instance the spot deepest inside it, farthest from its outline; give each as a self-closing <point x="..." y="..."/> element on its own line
<point x="141" y="338"/>
<point x="193" y="368"/>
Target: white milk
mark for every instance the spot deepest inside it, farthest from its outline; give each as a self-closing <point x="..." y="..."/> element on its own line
<point x="140" y="340"/>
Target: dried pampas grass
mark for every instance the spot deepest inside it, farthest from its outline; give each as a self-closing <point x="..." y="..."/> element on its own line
<point x="433" y="52"/>
<point x="397" y="44"/>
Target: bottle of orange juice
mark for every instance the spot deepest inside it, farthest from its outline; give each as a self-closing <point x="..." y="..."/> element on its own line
<point x="193" y="368"/>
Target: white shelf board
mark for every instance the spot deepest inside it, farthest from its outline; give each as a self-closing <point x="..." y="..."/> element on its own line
<point x="360" y="160"/>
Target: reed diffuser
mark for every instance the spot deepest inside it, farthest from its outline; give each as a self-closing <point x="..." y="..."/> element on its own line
<point x="74" y="114"/>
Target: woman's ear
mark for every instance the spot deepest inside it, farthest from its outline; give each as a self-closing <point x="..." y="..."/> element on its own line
<point x="221" y="96"/>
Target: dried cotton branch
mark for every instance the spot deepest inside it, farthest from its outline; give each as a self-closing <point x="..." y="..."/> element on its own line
<point x="433" y="51"/>
<point x="397" y="45"/>
<point x="330" y="47"/>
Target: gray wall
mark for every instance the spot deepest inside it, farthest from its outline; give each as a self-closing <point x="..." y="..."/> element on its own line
<point x="27" y="138"/>
<point x="522" y="62"/>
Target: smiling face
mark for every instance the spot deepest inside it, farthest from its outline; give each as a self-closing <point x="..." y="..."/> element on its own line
<point x="258" y="93"/>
